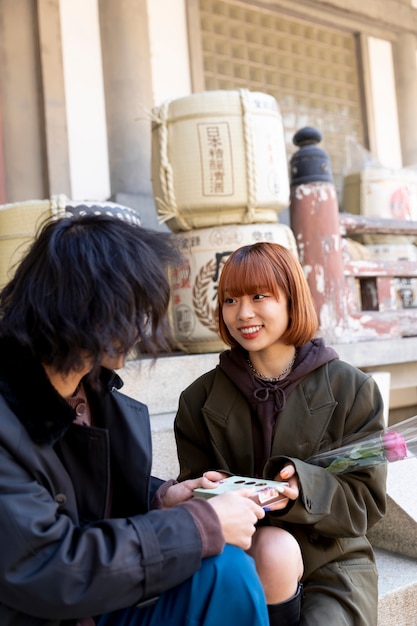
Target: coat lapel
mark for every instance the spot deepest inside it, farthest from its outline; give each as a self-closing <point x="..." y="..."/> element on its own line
<point x="302" y="425"/>
<point x="228" y="420"/>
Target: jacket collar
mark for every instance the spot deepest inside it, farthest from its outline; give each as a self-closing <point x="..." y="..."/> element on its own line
<point x="228" y="418"/>
<point x="27" y="390"/>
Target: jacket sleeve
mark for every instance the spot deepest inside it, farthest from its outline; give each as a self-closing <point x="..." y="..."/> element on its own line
<point x="344" y="505"/>
<point x="58" y="570"/>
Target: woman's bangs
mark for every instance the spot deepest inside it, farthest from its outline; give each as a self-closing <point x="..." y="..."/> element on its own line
<point x="249" y="276"/>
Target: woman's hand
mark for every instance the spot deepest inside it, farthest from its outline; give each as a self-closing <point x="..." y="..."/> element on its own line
<point x="181" y="492"/>
<point x="288" y="475"/>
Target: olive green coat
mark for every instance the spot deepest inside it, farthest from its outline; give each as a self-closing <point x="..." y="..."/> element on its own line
<point x="333" y="513"/>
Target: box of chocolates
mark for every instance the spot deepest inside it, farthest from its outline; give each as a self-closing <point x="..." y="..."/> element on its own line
<point x="266" y="492"/>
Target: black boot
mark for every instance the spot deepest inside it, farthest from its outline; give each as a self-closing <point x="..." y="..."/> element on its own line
<point x="286" y="613"/>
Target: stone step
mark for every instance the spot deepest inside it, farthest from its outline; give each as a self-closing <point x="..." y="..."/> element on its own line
<point x="397" y="531"/>
<point x="397" y="589"/>
<point x="165" y="464"/>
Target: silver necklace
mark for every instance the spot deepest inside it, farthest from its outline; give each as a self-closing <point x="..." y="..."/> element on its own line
<point x="272" y="379"/>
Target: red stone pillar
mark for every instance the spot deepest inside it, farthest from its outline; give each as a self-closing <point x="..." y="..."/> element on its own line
<point x="314" y="216"/>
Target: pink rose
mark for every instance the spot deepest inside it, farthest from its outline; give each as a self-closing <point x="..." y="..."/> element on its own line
<point x="394" y="446"/>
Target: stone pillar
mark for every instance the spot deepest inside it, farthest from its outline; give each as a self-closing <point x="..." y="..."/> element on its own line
<point x="314" y="217"/>
<point x="2" y="175"/>
<point x="24" y="168"/>
<point x="57" y="165"/>
<point x="128" y="96"/>
<point x="405" y="68"/>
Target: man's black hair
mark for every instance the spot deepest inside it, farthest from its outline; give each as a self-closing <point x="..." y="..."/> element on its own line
<point x="90" y="284"/>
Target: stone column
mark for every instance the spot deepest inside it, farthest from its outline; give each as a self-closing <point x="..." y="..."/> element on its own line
<point x="405" y="68"/>
<point x="57" y="165"/>
<point x="128" y="96"/>
<point x="22" y="135"/>
<point x="2" y="175"/>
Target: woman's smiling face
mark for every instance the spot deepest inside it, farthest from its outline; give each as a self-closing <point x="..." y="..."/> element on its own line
<point x="256" y="321"/>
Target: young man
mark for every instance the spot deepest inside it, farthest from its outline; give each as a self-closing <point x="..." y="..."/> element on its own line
<point x="87" y="535"/>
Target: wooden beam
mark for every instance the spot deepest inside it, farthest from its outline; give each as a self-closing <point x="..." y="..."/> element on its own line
<point x="2" y="171"/>
<point x="352" y="224"/>
<point x="53" y="96"/>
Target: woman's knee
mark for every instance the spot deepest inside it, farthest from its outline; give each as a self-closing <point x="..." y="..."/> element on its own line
<point x="278" y="561"/>
<point x="276" y="545"/>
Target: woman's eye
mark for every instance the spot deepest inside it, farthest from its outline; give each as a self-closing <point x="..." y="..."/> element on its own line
<point x="229" y="300"/>
<point x="259" y="296"/>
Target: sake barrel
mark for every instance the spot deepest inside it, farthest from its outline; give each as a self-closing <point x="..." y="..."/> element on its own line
<point x="219" y="157"/>
<point x="385" y="193"/>
<point x="19" y="222"/>
<point x="192" y="310"/>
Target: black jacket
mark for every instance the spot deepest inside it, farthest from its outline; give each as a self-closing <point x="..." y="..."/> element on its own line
<point x="60" y="559"/>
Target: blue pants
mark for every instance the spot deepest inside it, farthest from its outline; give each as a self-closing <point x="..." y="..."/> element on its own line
<point x="225" y="590"/>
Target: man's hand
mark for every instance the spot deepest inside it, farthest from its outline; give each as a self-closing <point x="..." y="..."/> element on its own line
<point x="183" y="491"/>
<point x="238" y="515"/>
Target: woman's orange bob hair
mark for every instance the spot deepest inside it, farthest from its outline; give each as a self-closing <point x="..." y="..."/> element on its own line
<point x="273" y="268"/>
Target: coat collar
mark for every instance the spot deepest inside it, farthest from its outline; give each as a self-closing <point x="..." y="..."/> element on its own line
<point x="301" y="426"/>
<point x="27" y="390"/>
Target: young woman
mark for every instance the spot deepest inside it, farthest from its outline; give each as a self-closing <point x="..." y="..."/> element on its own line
<point x="87" y="535"/>
<point x="278" y="396"/>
